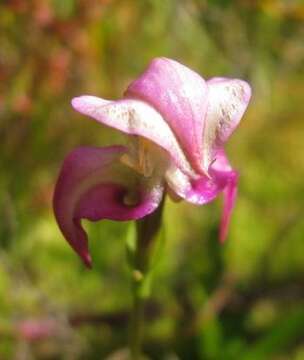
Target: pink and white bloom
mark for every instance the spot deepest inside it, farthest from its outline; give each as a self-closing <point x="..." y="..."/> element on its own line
<point x="176" y="124"/>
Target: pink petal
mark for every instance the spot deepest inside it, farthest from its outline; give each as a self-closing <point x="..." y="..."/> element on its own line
<point x="37" y="329"/>
<point x="94" y="185"/>
<point x="222" y="170"/>
<point x="203" y="189"/>
<point x="180" y="95"/>
<point x="230" y="194"/>
<point x="227" y="102"/>
<point x="134" y="117"/>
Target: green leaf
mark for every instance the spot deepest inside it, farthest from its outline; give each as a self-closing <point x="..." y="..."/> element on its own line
<point x="158" y="248"/>
<point x="211" y="339"/>
<point x="131" y="244"/>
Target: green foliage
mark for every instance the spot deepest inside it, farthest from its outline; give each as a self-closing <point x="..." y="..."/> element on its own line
<point x="242" y="300"/>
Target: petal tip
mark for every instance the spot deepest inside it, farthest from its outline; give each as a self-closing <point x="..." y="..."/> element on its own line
<point x="222" y="235"/>
<point x="87" y="260"/>
<point x="76" y="102"/>
<point x="88" y="104"/>
<point x="246" y="91"/>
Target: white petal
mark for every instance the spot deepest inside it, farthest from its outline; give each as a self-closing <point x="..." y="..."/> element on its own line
<point x="227" y="102"/>
<point x="134" y="117"/>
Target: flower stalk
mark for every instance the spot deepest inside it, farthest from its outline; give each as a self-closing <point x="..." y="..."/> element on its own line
<point x="147" y="231"/>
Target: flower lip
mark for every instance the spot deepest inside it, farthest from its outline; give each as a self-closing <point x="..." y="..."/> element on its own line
<point x="93" y="184"/>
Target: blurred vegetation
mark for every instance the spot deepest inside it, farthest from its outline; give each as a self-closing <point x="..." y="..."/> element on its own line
<point x="243" y="300"/>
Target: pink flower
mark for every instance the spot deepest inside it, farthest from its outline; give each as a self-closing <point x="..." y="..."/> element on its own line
<point x="177" y="124"/>
<point x="37" y="329"/>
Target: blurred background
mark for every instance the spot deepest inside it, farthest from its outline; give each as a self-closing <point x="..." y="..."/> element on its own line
<point x="243" y="300"/>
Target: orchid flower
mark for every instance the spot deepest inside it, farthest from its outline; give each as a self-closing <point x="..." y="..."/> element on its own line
<point x="176" y="125"/>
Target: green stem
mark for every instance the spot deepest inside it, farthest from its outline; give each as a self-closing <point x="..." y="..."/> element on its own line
<point x="136" y="328"/>
<point x="146" y="230"/>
